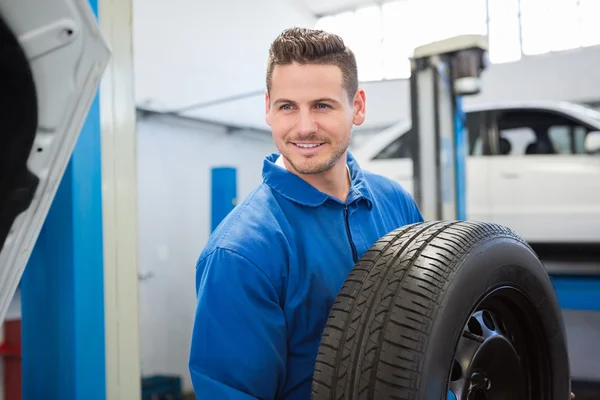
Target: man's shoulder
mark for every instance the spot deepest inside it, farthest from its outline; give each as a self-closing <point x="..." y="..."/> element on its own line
<point x="251" y="228"/>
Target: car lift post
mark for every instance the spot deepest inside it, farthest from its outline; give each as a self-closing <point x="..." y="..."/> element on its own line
<point x="441" y="73"/>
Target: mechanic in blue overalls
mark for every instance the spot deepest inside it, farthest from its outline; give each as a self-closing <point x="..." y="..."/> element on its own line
<point x="271" y="271"/>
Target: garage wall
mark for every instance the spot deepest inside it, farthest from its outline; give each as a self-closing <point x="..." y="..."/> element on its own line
<point x="174" y="161"/>
<point x="569" y="75"/>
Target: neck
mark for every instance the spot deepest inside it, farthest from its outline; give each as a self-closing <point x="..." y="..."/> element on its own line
<point x="334" y="182"/>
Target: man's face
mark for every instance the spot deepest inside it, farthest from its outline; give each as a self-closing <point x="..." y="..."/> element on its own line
<point x="311" y="117"/>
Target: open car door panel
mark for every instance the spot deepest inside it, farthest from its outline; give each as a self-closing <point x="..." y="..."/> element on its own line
<point x="52" y="57"/>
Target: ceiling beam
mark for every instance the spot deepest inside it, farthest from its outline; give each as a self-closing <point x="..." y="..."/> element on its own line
<point x="146" y="114"/>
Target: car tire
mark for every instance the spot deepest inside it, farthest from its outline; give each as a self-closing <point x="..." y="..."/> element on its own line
<point x="448" y="309"/>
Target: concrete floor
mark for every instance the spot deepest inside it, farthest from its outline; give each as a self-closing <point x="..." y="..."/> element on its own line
<point x="586" y="390"/>
<point x="583" y="327"/>
<point x="583" y="337"/>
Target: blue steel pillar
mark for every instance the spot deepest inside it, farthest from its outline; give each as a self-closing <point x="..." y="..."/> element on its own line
<point x="62" y="289"/>
<point x="460" y="149"/>
<point x="223" y="193"/>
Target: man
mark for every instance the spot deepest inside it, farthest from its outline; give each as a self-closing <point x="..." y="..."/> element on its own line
<point x="271" y="271"/>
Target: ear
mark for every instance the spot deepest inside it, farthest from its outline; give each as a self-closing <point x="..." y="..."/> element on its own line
<point x="360" y="107"/>
<point x="267" y="108"/>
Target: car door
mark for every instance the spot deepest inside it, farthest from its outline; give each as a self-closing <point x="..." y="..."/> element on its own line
<point x="542" y="184"/>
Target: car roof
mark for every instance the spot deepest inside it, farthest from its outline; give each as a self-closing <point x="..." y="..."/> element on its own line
<point x="570" y="108"/>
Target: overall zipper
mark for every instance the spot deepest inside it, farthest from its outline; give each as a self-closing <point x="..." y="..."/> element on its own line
<point x="354" y="252"/>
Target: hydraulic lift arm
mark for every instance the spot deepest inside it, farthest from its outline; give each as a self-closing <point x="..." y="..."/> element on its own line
<point x="442" y="72"/>
<point x="52" y="58"/>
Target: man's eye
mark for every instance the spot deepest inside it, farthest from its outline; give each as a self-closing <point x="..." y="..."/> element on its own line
<point x="322" y="105"/>
<point x="286" y="107"/>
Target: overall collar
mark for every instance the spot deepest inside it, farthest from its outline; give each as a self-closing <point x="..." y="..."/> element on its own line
<point x="295" y="189"/>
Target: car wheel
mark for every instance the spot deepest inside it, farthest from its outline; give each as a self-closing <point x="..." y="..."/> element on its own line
<point x="436" y="310"/>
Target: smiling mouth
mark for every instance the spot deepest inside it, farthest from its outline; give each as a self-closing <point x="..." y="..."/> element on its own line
<point x="307" y="145"/>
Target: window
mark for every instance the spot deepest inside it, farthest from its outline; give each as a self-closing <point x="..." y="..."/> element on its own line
<point x="532" y="132"/>
<point x="515" y="141"/>
<point x="560" y="138"/>
<point x="399" y="148"/>
<point x="589" y="10"/>
<point x="475" y="129"/>
<point x="385" y="35"/>
<point x="398" y="38"/>
<point x="368" y="45"/>
<point x="504" y="35"/>
<point x="549" y="27"/>
<point x="579" y="139"/>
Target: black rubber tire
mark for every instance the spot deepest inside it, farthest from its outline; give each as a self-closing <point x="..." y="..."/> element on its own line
<point x="395" y="325"/>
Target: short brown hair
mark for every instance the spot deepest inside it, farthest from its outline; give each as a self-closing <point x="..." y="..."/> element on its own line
<point x="311" y="46"/>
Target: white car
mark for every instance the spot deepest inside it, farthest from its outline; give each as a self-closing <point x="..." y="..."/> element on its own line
<point x="531" y="166"/>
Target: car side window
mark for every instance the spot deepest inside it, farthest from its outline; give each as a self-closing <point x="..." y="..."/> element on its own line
<point x="515" y="141"/>
<point x="399" y="148"/>
<point x="402" y="146"/>
<point x="561" y="138"/>
<point x="579" y="133"/>
<point x="535" y="132"/>
<point x="475" y="129"/>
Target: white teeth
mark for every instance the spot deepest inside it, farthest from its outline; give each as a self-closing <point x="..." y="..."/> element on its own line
<point x="307" y="146"/>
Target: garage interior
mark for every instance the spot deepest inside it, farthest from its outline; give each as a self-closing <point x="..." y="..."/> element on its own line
<point x="181" y="114"/>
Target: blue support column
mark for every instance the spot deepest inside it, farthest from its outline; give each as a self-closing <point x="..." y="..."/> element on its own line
<point x="223" y="194"/>
<point x="460" y="149"/>
<point x="62" y="289"/>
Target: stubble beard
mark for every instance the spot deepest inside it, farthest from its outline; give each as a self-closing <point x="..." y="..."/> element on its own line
<point x="311" y="167"/>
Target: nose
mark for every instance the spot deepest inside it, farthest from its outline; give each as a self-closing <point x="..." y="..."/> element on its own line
<point x="306" y="122"/>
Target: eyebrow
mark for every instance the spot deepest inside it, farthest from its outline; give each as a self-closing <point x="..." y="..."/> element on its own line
<point x="326" y="100"/>
<point x="283" y="101"/>
<point x="320" y="100"/>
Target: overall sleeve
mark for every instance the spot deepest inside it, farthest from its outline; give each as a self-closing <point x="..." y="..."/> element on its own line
<point x="238" y="347"/>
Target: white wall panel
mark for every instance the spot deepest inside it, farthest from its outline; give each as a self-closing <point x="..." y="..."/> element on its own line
<point x="174" y="162"/>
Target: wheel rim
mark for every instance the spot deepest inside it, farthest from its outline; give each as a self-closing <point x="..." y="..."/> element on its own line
<point x="502" y="352"/>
